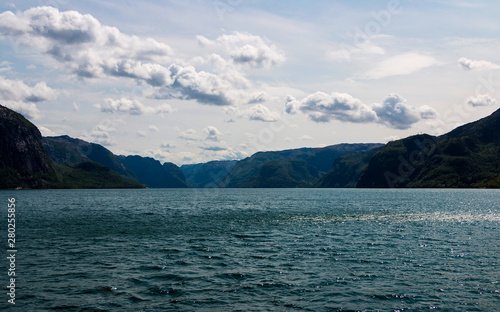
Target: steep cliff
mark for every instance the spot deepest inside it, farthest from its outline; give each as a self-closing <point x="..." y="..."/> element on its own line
<point x="23" y="159"/>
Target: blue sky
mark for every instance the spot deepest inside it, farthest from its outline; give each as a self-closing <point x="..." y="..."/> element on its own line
<point x="192" y="81"/>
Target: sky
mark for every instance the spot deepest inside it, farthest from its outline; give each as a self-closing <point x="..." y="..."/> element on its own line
<point x="190" y="81"/>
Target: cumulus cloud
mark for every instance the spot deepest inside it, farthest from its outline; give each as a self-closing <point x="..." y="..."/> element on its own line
<point x="246" y="49"/>
<point x="261" y="113"/>
<point x="468" y="64"/>
<point x="189" y="135"/>
<point x="102" y="133"/>
<point x="403" y="64"/>
<point x="22" y="98"/>
<point x="481" y="100"/>
<point x="132" y="107"/>
<point x="322" y="107"/>
<point x="17" y="90"/>
<point x="167" y="146"/>
<point x="212" y="133"/>
<point x="394" y="111"/>
<point x="291" y="105"/>
<point x="257" y="98"/>
<point x="92" y="50"/>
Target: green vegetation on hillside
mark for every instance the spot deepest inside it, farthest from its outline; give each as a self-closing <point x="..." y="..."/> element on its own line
<point x="321" y="159"/>
<point x="90" y="174"/>
<point x="284" y="173"/>
<point x="346" y="170"/>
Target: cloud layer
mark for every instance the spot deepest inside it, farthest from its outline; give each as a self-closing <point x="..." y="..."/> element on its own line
<point x="132" y="107"/>
<point x="403" y="64"/>
<point x="91" y="50"/>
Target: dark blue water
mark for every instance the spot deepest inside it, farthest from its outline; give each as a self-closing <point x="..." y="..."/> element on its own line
<point x="255" y="250"/>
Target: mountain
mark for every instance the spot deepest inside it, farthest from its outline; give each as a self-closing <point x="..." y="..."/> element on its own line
<point x="321" y="159"/>
<point x="90" y="175"/>
<point x="466" y="157"/>
<point x="25" y="163"/>
<point x="64" y="150"/>
<point x="210" y="174"/>
<point x="285" y="173"/>
<point x="346" y="170"/>
<point x="153" y="174"/>
<point x="23" y="159"/>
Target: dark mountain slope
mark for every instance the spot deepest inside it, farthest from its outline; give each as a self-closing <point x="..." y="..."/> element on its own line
<point x="25" y="163"/>
<point x="466" y="157"/>
<point x="319" y="158"/>
<point x="65" y="150"/>
<point x="283" y="174"/>
<point x="210" y="174"/>
<point x="346" y="170"/>
<point x="153" y="174"/>
<point x="23" y="159"/>
<point x="90" y="175"/>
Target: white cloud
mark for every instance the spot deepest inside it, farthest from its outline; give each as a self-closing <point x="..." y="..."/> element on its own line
<point x="102" y="133"/>
<point x="102" y="137"/>
<point x="248" y="50"/>
<point x="394" y="111"/>
<point x="20" y="97"/>
<point x="212" y="133"/>
<point x="189" y="135"/>
<point x="46" y="132"/>
<point x="468" y="64"/>
<point x="92" y="50"/>
<point x="167" y="146"/>
<point x="261" y="113"/>
<point x="257" y="98"/>
<point x="306" y="138"/>
<point x="348" y="53"/>
<point x="403" y="64"/>
<point x="213" y="148"/>
<point x="153" y="129"/>
<point x="481" y="100"/>
<point x="322" y="107"/>
<point x="17" y="90"/>
<point x="132" y="107"/>
<point x="291" y="105"/>
<point x="5" y="66"/>
<point x="141" y="134"/>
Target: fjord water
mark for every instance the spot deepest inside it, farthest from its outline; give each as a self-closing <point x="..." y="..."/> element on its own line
<point x="255" y="250"/>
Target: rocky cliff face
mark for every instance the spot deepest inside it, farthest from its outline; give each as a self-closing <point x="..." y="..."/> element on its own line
<point x="23" y="159"/>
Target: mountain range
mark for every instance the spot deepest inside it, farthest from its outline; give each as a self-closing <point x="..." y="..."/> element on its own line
<point x="467" y="157"/>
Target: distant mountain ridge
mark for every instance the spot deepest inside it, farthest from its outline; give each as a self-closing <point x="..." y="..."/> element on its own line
<point x="65" y="150"/>
<point x="152" y="173"/>
<point x="311" y="162"/>
<point x="210" y="174"/>
<point x="468" y="156"/>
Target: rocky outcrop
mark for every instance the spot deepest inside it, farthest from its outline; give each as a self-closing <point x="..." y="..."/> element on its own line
<point x="23" y="159"/>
